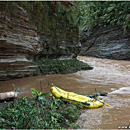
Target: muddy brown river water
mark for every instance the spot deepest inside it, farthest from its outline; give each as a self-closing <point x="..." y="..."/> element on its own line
<point x="112" y="76"/>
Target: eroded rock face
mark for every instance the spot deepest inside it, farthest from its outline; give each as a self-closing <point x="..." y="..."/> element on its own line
<point x="61" y="46"/>
<point x="109" y="42"/>
<point x="21" y="44"/>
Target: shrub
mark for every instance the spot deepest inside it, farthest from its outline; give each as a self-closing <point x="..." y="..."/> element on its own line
<point x="62" y="66"/>
<point x="26" y="113"/>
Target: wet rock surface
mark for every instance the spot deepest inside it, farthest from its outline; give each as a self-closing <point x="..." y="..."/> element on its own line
<point x="18" y="69"/>
<point x="110" y="42"/>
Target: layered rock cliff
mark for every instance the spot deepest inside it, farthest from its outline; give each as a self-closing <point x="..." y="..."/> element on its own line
<point x="21" y="44"/>
<point x="109" y="42"/>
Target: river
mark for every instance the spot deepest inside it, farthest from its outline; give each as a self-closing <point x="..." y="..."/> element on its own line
<point x="112" y="76"/>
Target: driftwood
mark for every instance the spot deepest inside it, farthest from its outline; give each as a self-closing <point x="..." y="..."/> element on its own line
<point x="7" y="95"/>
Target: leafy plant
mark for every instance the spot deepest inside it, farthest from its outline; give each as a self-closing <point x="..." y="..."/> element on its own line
<point x="39" y="95"/>
<point x="62" y="66"/>
<point x="103" y="13"/>
<point x="27" y="113"/>
<point x="17" y="89"/>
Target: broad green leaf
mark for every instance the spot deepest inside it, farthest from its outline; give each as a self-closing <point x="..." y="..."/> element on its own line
<point x="34" y="91"/>
<point x="42" y="98"/>
<point x="46" y="94"/>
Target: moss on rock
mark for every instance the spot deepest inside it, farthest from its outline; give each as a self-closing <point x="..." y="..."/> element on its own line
<point x="56" y="66"/>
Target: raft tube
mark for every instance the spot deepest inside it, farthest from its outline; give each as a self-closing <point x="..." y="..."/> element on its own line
<point x="76" y="98"/>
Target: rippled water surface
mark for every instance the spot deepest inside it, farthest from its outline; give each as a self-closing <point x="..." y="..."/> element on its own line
<point x="112" y="76"/>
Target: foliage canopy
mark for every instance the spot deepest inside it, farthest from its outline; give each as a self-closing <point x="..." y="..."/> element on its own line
<point x="97" y="13"/>
<point x="82" y="13"/>
<point x="103" y="13"/>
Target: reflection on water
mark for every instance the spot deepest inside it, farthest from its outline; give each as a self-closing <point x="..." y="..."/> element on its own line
<point x="108" y="75"/>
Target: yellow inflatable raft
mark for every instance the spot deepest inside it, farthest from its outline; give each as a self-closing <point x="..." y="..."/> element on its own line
<point x="73" y="97"/>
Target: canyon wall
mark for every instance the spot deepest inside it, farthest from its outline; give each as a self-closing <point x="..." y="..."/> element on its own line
<point x="21" y="44"/>
<point x="110" y="42"/>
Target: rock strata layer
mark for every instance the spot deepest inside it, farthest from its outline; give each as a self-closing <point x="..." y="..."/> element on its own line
<point x="21" y="44"/>
<point x="110" y="42"/>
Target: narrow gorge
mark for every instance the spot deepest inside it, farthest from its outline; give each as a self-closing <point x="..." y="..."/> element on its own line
<point x="30" y="32"/>
<point x="79" y="46"/>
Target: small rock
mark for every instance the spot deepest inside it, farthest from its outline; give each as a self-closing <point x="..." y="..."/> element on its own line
<point x="103" y="93"/>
